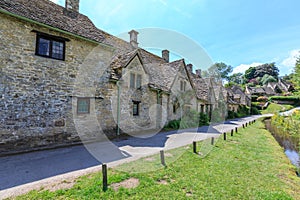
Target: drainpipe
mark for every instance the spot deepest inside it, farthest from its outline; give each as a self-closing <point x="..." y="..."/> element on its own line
<point x="159" y="114"/>
<point x="118" y="108"/>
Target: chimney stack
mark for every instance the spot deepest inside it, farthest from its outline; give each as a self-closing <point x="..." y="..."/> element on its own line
<point x="189" y="68"/>
<point x="72" y="5"/>
<point x="166" y="55"/>
<point x="198" y="72"/>
<point x="133" y="38"/>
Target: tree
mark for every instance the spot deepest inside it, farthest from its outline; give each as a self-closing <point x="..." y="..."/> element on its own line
<point x="268" y="68"/>
<point x="236" y="78"/>
<point x="220" y="70"/>
<point x="261" y="70"/>
<point x="296" y="74"/>
<point x="267" y="79"/>
<point x="249" y="74"/>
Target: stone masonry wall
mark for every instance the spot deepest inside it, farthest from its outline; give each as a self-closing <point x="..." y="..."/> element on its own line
<point x="36" y="93"/>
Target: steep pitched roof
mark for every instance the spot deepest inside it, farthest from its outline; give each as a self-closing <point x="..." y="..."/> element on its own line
<point x="53" y="15"/>
<point x="161" y="74"/>
<point x="201" y="87"/>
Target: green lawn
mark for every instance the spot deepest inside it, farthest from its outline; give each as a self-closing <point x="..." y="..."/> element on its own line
<point x="274" y="108"/>
<point x="249" y="165"/>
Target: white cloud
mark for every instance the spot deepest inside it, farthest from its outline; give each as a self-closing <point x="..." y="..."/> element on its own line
<point x="243" y="67"/>
<point x="291" y="60"/>
<point x="55" y="1"/>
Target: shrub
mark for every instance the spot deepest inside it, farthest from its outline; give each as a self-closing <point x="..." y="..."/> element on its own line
<point x="204" y="119"/>
<point x="284" y="98"/>
<point x="254" y="111"/>
<point x="174" y="124"/>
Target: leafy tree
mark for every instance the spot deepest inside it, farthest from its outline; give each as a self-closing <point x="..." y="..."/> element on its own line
<point x="268" y="68"/>
<point x="249" y="74"/>
<point x="261" y="70"/>
<point x="267" y="79"/>
<point x="296" y="74"/>
<point x="220" y="70"/>
<point x="236" y="78"/>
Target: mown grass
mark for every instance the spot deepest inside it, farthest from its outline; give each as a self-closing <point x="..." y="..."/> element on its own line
<point x="249" y="165"/>
<point x="275" y="108"/>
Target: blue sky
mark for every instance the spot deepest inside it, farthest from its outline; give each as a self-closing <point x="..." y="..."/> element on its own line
<point x="238" y="32"/>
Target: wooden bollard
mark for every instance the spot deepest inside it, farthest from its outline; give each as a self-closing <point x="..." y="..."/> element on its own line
<point x="224" y="136"/>
<point x="231" y="133"/>
<point x="212" y="141"/>
<point x="195" y="147"/>
<point x="162" y="157"/>
<point x="246" y="124"/>
<point x="104" y="175"/>
<point x="243" y="125"/>
<point x="236" y="129"/>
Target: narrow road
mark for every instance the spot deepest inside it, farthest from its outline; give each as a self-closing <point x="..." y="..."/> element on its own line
<point x="22" y="173"/>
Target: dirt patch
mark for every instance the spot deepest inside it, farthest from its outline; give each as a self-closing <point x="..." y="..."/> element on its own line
<point x="149" y="159"/>
<point x="168" y="155"/>
<point x="60" y="186"/>
<point x="129" y="183"/>
<point x="163" y="182"/>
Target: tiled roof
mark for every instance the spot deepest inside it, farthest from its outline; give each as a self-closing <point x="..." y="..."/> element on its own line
<point x="200" y="86"/>
<point x="161" y="74"/>
<point x="51" y="14"/>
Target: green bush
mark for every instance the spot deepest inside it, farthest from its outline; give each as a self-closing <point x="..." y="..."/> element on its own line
<point x="231" y="114"/>
<point x="174" y="124"/>
<point x="204" y="119"/>
<point x="284" y="98"/>
<point x="254" y="111"/>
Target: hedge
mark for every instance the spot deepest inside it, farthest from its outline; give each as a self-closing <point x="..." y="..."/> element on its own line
<point x="284" y="98"/>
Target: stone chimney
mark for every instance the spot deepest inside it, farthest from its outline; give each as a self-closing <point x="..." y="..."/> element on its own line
<point x="166" y="55"/>
<point x="72" y="5"/>
<point x="189" y="68"/>
<point x="198" y="72"/>
<point x="133" y="38"/>
<point x="72" y="8"/>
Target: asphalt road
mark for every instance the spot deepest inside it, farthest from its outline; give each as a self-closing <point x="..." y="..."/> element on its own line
<point x="20" y="171"/>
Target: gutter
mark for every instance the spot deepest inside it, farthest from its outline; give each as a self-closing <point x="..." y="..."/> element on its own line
<point x="118" y="108"/>
<point x="53" y="28"/>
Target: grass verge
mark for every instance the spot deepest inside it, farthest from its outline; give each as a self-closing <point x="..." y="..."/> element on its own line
<point x="249" y="165"/>
<point x="275" y="108"/>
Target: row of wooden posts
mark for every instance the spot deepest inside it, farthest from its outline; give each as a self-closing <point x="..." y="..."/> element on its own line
<point x="162" y="153"/>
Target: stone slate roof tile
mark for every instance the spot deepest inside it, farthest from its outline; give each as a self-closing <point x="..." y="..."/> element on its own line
<point x="51" y="14"/>
<point x="201" y="87"/>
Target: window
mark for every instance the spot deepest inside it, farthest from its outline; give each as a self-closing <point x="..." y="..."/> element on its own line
<point x="132" y="80"/>
<point x="50" y="46"/>
<point x="138" y="81"/>
<point x="83" y="105"/>
<point x="135" y="109"/>
<point x="135" y="80"/>
<point x="182" y="85"/>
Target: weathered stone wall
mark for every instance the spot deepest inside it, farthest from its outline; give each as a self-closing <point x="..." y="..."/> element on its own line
<point x="36" y="92"/>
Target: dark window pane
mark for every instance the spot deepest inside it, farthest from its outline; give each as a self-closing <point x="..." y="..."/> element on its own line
<point x="138" y="81"/>
<point x="58" y="50"/>
<point x="132" y="80"/>
<point x="83" y="106"/>
<point x="44" y="47"/>
<point x="135" y="108"/>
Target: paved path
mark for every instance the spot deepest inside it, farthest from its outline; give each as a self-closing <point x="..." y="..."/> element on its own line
<point x="22" y="173"/>
<point x="289" y="112"/>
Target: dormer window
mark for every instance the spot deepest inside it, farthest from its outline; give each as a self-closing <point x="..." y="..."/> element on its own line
<point x="50" y="46"/>
<point x="182" y="85"/>
<point x="135" y="80"/>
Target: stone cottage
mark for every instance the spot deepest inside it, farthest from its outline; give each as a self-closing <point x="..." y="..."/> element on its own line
<point x="64" y="81"/>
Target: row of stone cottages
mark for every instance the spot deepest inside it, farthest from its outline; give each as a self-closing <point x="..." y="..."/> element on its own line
<point x="63" y="80"/>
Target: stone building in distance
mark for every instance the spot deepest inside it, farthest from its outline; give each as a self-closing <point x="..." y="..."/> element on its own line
<point x="64" y="81"/>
